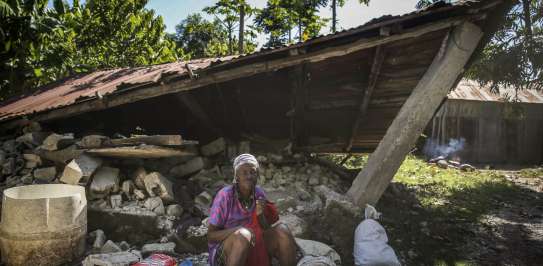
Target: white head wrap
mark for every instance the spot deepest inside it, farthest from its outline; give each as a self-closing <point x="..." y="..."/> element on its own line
<point x="243" y="159"/>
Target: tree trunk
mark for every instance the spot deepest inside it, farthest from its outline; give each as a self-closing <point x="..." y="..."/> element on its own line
<point x="526" y="16"/>
<point x="241" y="28"/>
<point x="334" y="16"/>
<point x="300" y="38"/>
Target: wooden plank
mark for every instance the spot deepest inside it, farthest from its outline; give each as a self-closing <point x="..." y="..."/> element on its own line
<point x="142" y="151"/>
<point x="214" y="74"/>
<point x="162" y="140"/>
<point x="378" y="58"/>
<point x="413" y="117"/>
<point x="299" y="86"/>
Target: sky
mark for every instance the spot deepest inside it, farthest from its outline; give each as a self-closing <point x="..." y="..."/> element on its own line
<point x="351" y="15"/>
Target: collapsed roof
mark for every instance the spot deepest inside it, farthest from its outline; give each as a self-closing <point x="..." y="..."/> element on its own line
<point x="333" y="93"/>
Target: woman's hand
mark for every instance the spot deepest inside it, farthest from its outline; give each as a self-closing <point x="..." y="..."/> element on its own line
<point x="260" y="205"/>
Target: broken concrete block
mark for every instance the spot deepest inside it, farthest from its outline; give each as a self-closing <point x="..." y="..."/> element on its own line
<point x="298" y="227"/>
<point x="124" y="245"/>
<point x="214" y="147"/>
<point x="9" y="146"/>
<point x="158" y="185"/>
<point x="116" y="201"/>
<point x="123" y="258"/>
<point x="174" y="210"/>
<point x="194" y="165"/>
<point x="99" y="239"/>
<point x="442" y="164"/>
<point x="32" y="127"/>
<point x="92" y="141"/>
<point x="45" y="174"/>
<point x="138" y="176"/>
<point x="27" y="179"/>
<point x="32" y="160"/>
<point x="203" y="201"/>
<point x="61" y="156"/>
<point x="56" y="142"/>
<point x="110" y="247"/>
<point x="80" y="168"/>
<point x="105" y="181"/>
<point x="155" y="204"/>
<point x="139" y="194"/>
<point x="167" y="248"/>
<point x="32" y="139"/>
<point x="2" y="157"/>
<point x="127" y="187"/>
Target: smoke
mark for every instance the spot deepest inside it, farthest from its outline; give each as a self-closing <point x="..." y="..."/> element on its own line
<point x="433" y="149"/>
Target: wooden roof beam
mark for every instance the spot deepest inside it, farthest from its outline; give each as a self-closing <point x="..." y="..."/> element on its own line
<point x="378" y="59"/>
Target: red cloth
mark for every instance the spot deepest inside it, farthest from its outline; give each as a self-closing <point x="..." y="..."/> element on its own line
<point x="157" y="260"/>
<point x="258" y="255"/>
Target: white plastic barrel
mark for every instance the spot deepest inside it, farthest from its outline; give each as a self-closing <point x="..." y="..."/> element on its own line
<point x="43" y="224"/>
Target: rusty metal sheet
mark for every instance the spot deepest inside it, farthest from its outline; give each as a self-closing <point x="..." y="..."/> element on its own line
<point x="472" y="90"/>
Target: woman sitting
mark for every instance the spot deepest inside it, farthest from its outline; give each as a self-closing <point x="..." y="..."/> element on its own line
<point x="240" y="231"/>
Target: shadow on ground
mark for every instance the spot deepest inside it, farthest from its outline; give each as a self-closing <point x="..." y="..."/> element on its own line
<point x="491" y="223"/>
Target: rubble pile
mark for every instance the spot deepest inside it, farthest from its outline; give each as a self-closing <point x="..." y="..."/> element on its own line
<point x="151" y="194"/>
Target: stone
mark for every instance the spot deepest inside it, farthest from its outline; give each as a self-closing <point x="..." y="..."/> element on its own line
<point x="442" y="164"/>
<point x="92" y="141"/>
<point x="104" y="182"/>
<point x="298" y="227"/>
<point x="128" y="187"/>
<point x="244" y="147"/>
<point x="167" y="248"/>
<point x="45" y="174"/>
<point x="313" y="180"/>
<point x="80" y="169"/>
<point x="158" y="185"/>
<point x="116" y="201"/>
<point x="2" y="157"/>
<point x="124" y="246"/>
<point x="214" y="147"/>
<point x="196" y="236"/>
<point x="203" y="201"/>
<point x="174" y="210"/>
<point x="8" y="167"/>
<point x="61" y="156"/>
<point x="194" y="165"/>
<point x="27" y="179"/>
<point x="32" y="139"/>
<point x="138" y="176"/>
<point x="155" y="205"/>
<point x="30" y="157"/>
<point x="139" y="194"/>
<point x="56" y="142"/>
<point x="99" y="239"/>
<point x="32" y="127"/>
<point x="9" y="146"/>
<point x="467" y="167"/>
<point x="123" y="258"/>
<point x="316" y="249"/>
<point x="110" y="247"/>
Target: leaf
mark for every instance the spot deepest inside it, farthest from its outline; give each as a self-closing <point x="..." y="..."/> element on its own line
<point x="37" y="72"/>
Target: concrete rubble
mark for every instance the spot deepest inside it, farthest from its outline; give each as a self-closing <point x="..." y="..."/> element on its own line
<point x="138" y="206"/>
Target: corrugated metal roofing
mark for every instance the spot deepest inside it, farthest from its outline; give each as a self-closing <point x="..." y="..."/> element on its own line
<point x="100" y="83"/>
<point x="472" y="90"/>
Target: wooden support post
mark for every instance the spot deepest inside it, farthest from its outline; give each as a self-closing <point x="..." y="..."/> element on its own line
<point x="378" y="58"/>
<point x="414" y="115"/>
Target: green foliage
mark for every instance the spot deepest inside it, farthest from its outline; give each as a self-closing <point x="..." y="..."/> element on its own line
<point x="514" y="57"/>
<point x="42" y="45"/>
<point x="201" y="38"/>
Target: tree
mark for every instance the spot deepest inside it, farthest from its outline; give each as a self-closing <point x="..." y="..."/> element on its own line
<point x="514" y="56"/>
<point x="334" y="4"/>
<point x="280" y="17"/>
<point x="41" y="45"/>
<point x="201" y="38"/>
<point x="233" y="13"/>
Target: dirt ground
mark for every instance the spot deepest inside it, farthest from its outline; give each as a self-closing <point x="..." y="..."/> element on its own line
<point x="482" y="218"/>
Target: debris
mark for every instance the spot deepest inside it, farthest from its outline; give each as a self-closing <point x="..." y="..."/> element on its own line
<point x="174" y="210"/>
<point x="155" y="204"/>
<point x="92" y="141"/>
<point x="32" y="138"/>
<point x="203" y="201"/>
<point x="116" y="201"/>
<point x="213" y="147"/>
<point x="32" y="160"/>
<point x="143" y="151"/>
<point x="128" y="187"/>
<point x="167" y="248"/>
<point x="123" y="258"/>
<point x="298" y="227"/>
<point x="55" y="142"/>
<point x="61" y="156"/>
<point x="99" y="239"/>
<point x="317" y="249"/>
<point x="442" y="164"/>
<point x="158" y="185"/>
<point x="45" y="174"/>
<point x="138" y="177"/>
<point x="192" y="166"/>
<point x="105" y="181"/>
<point x="139" y="194"/>
<point x="467" y="167"/>
<point x="79" y="168"/>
